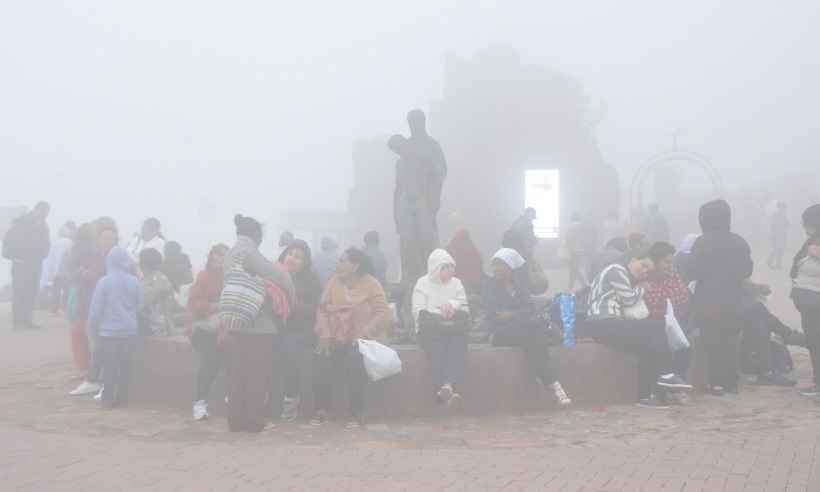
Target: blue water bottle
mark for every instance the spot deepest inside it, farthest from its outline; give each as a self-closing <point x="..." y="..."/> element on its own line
<point x="567" y="304"/>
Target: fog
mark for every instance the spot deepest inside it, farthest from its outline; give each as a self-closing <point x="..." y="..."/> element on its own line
<point x="192" y="111"/>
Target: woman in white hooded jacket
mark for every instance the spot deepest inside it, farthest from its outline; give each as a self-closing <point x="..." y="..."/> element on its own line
<point x="443" y="321"/>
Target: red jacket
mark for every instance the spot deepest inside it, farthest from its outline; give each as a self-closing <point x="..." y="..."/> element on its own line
<point x="204" y="294"/>
<point x="667" y="287"/>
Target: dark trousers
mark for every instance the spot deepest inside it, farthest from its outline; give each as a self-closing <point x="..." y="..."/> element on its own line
<point x="251" y="359"/>
<point x="720" y="334"/>
<point x="117" y="357"/>
<point x="210" y="358"/>
<point x="776" y="256"/>
<point x="645" y="339"/>
<point x="531" y="337"/>
<point x="95" y="371"/>
<point x="758" y="324"/>
<point x="343" y="362"/>
<point x="810" y="322"/>
<point x="446" y="355"/>
<point x="25" y="280"/>
<point x="293" y="346"/>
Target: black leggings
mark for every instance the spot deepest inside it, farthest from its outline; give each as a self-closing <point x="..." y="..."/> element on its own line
<point x="810" y="319"/>
<point x="446" y="355"/>
<point x="292" y="347"/>
<point x="721" y="340"/>
<point x="117" y="355"/>
<point x="211" y="358"/>
<point x="531" y="337"/>
<point x="645" y="339"/>
<point x="344" y="361"/>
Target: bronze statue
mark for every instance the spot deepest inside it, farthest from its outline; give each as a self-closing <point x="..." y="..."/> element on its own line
<point x="420" y="173"/>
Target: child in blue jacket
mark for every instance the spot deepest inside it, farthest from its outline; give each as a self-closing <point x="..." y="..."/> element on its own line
<point x="113" y="318"/>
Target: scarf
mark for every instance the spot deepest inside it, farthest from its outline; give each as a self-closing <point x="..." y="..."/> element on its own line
<point x="511" y="257"/>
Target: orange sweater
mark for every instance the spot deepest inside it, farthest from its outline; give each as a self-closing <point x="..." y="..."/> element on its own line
<point x="364" y="311"/>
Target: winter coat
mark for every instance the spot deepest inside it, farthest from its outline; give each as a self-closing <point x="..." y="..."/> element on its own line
<point x="117" y="298"/>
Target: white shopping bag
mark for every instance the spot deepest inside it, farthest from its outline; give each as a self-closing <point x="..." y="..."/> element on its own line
<point x="380" y="361"/>
<point x="674" y="333"/>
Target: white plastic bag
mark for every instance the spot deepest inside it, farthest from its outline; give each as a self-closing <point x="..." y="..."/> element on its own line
<point x="674" y="333"/>
<point x="380" y="361"/>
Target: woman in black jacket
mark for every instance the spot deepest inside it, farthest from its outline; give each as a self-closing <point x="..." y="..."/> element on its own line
<point x="296" y="340"/>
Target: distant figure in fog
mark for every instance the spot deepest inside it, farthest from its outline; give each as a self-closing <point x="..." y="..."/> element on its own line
<point x="155" y="317"/>
<point x="523" y="234"/>
<point x="150" y="236"/>
<point x="372" y="248"/>
<point x="324" y="263"/>
<point x="27" y="244"/>
<point x="285" y="239"/>
<point x="469" y="264"/>
<point x="582" y="243"/>
<point x="176" y="265"/>
<point x="54" y="275"/>
<point x="657" y="227"/>
<point x="721" y="263"/>
<point x="613" y="252"/>
<point x="778" y="236"/>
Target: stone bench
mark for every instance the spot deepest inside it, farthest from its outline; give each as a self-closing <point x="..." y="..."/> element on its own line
<point x="496" y="381"/>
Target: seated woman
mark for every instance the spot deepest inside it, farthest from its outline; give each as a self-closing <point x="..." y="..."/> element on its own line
<point x="297" y="338"/>
<point x="155" y="315"/>
<point x="353" y="306"/>
<point x="665" y="285"/>
<point x="618" y="316"/>
<point x="203" y="305"/>
<point x="443" y="322"/>
<point x="514" y="320"/>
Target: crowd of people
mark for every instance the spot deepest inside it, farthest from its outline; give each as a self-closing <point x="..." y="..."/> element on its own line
<point x="248" y="314"/>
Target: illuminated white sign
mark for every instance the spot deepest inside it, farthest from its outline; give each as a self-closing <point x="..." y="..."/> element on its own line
<point x="542" y="192"/>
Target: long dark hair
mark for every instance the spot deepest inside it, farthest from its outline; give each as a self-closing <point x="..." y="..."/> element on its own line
<point x="811" y="218"/>
<point x="360" y="258"/>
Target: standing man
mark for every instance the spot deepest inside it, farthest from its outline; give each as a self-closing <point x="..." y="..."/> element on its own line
<point x="150" y="236"/>
<point x="27" y="244"/>
<point x="778" y="236"/>
<point x="524" y="233"/>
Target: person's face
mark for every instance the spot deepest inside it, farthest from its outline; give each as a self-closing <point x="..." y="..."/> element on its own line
<point x="501" y="271"/>
<point x="640" y="269"/>
<point x="667" y="265"/>
<point x="446" y="273"/>
<point x="107" y="240"/>
<point x="345" y="266"/>
<point x="149" y="231"/>
<point x="295" y="260"/>
<point x="217" y="258"/>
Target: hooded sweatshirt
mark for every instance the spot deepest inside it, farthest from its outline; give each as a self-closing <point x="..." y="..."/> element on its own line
<point x="308" y="291"/>
<point x="720" y="263"/>
<point x="469" y="265"/>
<point x="117" y="298"/>
<point x="430" y="293"/>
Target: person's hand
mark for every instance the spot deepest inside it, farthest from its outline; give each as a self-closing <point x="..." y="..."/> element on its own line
<point x="447" y="310"/>
<point x="814" y="250"/>
<point x="505" y="316"/>
<point x="324" y="346"/>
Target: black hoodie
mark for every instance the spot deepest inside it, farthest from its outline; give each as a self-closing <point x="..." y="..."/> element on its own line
<point x="721" y="261"/>
<point x="308" y="291"/>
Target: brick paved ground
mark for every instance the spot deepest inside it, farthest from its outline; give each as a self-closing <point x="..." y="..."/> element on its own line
<point x="766" y="439"/>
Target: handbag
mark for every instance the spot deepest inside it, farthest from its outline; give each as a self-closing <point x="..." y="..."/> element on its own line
<point x="458" y="324"/>
<point x="380" y="361"/>
<point x="241" y="299"/>
<point x="674" y="333"/>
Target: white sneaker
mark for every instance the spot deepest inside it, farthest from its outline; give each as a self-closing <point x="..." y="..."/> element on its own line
<point x="200" y="410"/>
<point x="561" y="395"/>
<point x="98" y="396"/>
<point x="85" y="388"/>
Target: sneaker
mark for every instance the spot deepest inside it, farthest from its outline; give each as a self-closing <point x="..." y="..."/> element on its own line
<point x="674" y="382"/>
<point x="98" y="396"/>
<point x="290" y="409"/>
<point x="652" y="402"/>
<point x="319" y="419"/>
<point x="774" y="379"/>
<point x="85" y="388"/>
<point x="561" y="395"/>
<point x="454" y="401"/>
<point x="810" y="390"/>
<point x="445" y="393"/>
<point x="200" y="410"/>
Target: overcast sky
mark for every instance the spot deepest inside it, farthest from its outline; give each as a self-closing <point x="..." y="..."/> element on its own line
<point x="204" y="97"/>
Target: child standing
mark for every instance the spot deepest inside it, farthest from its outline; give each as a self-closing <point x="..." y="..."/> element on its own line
<point x="113" y="318"/>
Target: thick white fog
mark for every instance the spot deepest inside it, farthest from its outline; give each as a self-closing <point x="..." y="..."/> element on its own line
<point x="192" y="111"/>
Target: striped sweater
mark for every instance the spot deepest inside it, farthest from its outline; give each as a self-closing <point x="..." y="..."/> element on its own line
<point x="612" y="292"/>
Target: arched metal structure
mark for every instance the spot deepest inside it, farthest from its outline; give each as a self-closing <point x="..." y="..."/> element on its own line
<point x="670" y="158"/>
